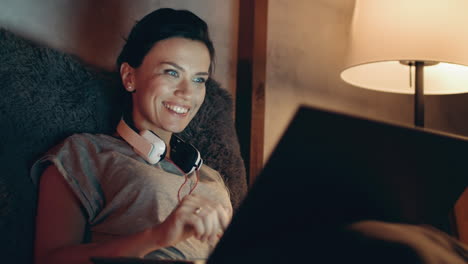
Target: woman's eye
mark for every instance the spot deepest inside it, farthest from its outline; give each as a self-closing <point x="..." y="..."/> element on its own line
<point x="199" y="80"/>
<point x="172" y="73"/>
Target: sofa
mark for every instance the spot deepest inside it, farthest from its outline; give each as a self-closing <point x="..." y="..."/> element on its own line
<point x="47" y="95"/>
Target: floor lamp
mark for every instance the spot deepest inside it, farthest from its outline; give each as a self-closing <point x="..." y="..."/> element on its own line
<point x="409" y="46"/>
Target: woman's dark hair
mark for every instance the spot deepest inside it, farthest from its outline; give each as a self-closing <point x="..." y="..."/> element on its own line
<point x="162" y="24"/>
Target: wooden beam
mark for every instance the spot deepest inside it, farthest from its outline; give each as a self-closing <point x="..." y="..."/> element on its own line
<point x="251" y="75"/>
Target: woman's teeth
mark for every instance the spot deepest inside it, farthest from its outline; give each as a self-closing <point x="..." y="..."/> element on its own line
<point x="177" y="109"/>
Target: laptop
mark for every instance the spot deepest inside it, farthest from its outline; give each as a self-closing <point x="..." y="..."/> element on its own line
<point x="331" y="169"/>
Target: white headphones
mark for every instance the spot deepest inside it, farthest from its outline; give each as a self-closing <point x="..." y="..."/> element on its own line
<point x="153" y="149"/>
<point x="147" y="144"/>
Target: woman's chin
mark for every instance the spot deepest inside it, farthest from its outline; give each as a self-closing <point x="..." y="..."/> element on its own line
<point x="175" y="128"/>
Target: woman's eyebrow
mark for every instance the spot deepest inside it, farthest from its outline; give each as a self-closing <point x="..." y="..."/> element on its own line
<point x="182" y="69"/>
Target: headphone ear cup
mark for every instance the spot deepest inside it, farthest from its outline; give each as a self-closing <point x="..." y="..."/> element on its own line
<point x="158" y="150"/>
<point x="185" y="155"/>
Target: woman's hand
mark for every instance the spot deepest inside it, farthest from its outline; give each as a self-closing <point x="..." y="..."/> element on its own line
<point x="194" y="216"/>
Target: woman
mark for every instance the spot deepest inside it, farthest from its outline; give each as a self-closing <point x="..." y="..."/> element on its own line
<point x="101" y="195"/>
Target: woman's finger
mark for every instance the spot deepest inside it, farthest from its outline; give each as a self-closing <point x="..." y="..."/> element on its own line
<point x="197" y="224"/>
<point x="224" y="217"/>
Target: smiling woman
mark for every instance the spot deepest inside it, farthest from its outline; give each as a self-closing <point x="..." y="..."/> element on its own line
<point x="111" y="195"/>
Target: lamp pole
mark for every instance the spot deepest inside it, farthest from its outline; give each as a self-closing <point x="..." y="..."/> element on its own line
<point x="419" y="94"/>
<point x="419" y="88"/>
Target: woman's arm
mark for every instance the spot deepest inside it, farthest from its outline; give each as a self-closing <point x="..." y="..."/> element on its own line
<point x="60" y="226"/>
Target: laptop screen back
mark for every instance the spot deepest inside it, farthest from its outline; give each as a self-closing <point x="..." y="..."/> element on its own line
<point x="331" y="169"/>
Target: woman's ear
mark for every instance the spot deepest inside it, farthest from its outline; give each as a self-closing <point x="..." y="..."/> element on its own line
<point x="127" y="75"/>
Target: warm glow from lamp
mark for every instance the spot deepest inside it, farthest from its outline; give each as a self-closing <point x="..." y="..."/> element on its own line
<point x="385" y="32"/>
<point x="392" y="76"/>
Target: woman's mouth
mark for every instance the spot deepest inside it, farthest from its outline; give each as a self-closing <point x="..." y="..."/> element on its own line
<point x="178" y="109"/>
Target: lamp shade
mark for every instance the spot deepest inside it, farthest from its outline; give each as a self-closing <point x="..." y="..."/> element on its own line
<point x="386" y="33"/>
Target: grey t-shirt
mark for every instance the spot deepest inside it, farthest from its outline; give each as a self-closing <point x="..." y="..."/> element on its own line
<point x="123" y="194"/>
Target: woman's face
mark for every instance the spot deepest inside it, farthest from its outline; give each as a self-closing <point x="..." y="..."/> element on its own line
<point x="169" y="85"/>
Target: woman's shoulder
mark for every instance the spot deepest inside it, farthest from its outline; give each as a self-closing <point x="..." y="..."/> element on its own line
<point x="90" y="137"/>
<point x="92" y="142"/>
<point x="95" y="139"/>
<point x="207" y="169"/>
<point x="207" y="173"/>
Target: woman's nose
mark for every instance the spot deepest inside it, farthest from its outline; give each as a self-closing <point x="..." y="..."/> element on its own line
<point x="184" y="88"/>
